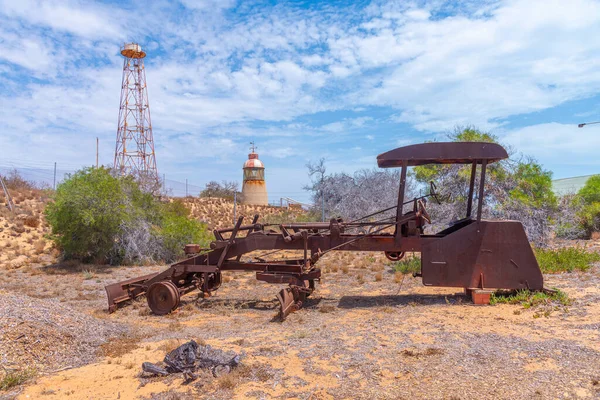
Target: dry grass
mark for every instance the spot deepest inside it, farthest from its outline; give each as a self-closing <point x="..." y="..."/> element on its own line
<point x="378" y="277"/>
<point x="360" y="278"/>
<point x="227" y="381"/>
<point x="170" y="345"/>
<point x="31" y="221"/>
<point x="218" y="212"/>
<point x="398" y="277"/>
<point x="16" y="378"/>
<point x="327" y="309"/>
<point x="430" y="351"/>
<point x="39" y="246"/>
<point x="119" y="346"/>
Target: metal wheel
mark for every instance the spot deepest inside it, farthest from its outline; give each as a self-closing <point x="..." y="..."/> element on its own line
<point x="394" y="255"/>
<point x="163" y="297"/>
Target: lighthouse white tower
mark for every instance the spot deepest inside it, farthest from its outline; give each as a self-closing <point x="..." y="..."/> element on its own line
<point x="254" y="189"/>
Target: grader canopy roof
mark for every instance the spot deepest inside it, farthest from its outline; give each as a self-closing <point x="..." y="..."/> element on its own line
<point x="442" y="153"/>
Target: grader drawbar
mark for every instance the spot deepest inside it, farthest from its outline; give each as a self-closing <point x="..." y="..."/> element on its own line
<point x="472" y="253"/>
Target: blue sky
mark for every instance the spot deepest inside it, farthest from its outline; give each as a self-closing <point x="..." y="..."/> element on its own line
<point x="304" y="80"/>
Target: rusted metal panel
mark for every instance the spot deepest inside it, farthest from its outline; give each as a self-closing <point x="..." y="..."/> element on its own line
<point x="486" y="254"/>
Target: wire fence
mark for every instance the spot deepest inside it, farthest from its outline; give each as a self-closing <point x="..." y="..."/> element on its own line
<point x="50" y="175"/>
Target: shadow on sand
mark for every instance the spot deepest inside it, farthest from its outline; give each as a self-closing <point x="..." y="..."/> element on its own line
<point x="401" y="300"/>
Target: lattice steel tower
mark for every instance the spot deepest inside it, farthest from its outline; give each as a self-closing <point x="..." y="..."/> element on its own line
<point x="134" y="153"/>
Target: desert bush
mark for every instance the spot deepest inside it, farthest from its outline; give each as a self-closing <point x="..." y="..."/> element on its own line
<point x="16" y="378"/>
<point x="224" y="190"/>
<point x="178" y="230"/>
<point x="408" y="265"/>
<point x="517" y="188"/>
<point x="95" y="216"/>
<point x="567" y="219"/>
<point x="88" y="210"/>
<point x="14" y="181"/>
<point x="354" y="196"/>
<point x="588" y="199"/>
<point x="39" y="246"/>
<point x="31" y="221"/>
<point x="565" y="259"/>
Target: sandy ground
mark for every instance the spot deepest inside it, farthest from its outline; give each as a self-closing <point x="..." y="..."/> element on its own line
<point x="356" y="338"/>
<point x="22" y="232"/>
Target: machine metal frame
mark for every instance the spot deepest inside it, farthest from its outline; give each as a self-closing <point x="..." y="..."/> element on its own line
<point x="473" y="253"/>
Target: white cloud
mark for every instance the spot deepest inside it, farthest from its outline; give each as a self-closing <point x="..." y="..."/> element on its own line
<point x="88" y="21"/>
<point x="564" y="147"/>
<point x="29" y="53"/>
<point x="527" y="56"/>
<point x="214" y="74"/>
<point x="208" y="4"/>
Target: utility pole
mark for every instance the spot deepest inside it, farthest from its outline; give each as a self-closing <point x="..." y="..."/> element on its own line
<point x="164" y="185"/>
<point x="54" y="182"/>
<point x="97" y="144"/>
<point x="186" y="188"/>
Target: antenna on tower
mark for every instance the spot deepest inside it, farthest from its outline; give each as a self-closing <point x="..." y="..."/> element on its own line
<point x="253" y="147"/>
<point x="134" y="152"/>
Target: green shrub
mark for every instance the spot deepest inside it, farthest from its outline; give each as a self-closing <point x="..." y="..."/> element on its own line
<point x="529" y="299"/>
<point x="566" y="259"/>
<point x="88" y="210"/>
<point x="16" y="378"/>
<point x="177" y="230"/>
<point x="98" y="217"/>
<point x="590" y="192"/>
<point x="589" y="218"/>
<point x="589" y="214"/>
<point x="408" y="265"/>
<point x="534" y="185"/>
<point x="224" y="190"/>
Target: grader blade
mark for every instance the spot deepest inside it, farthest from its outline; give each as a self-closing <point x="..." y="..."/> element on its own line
<point x="123" y="291"/>
<point x="287" y="303"/>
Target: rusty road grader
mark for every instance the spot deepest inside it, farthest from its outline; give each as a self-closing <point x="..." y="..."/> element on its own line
<point x="472" y="253"/>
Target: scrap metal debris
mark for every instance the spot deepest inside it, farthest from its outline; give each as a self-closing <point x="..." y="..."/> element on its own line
<point x="191" y="357"/>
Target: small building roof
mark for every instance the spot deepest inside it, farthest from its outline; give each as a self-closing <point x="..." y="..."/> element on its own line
<point x="572" y="185"/>
<point x="442" y="153"/>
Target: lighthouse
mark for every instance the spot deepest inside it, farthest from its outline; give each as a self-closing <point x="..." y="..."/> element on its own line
<point x="254" y="189"/>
